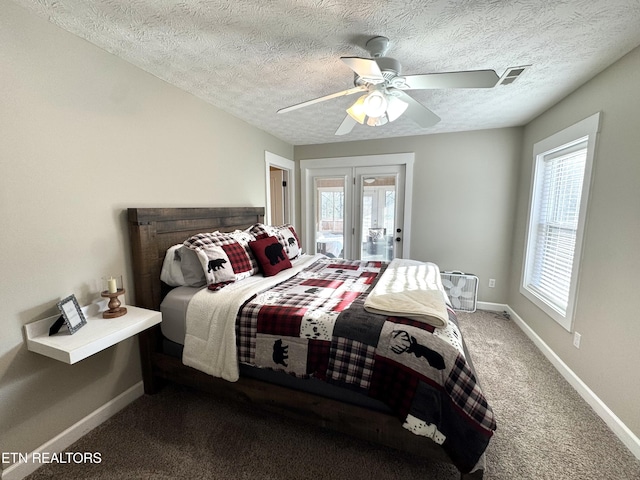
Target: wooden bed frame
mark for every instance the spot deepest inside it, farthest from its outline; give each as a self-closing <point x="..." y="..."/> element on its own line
<point x="151" y="232"/>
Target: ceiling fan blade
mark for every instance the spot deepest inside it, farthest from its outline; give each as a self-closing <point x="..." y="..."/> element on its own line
<point x="351" y="91"/>
<point x="346" y="126"/>
<point x="367" y="68"/>
<point x="469" y="79"/>
<point x="418" y="112"/>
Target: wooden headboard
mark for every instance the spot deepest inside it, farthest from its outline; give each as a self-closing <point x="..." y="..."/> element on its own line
<point x="153" y="230"/>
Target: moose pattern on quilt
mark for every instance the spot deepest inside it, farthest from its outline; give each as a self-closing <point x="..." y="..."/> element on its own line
<point x="315" y="325"/>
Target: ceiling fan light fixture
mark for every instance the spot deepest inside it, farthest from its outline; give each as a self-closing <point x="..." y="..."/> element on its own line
<point x="396" y="108"/>
<point x="375" y="104"/>
<point x="356" y="111"/>
<point x="377" y="121"/>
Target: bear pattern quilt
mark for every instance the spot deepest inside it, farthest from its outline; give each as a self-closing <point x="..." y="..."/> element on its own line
<point x="315" y="325"/>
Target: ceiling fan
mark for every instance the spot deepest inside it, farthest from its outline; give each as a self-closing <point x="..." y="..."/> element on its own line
<point x="385" y="99"/>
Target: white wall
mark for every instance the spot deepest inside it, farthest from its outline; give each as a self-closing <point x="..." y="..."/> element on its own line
<point x="606" y="311"/>
<point x="85" y="135"/>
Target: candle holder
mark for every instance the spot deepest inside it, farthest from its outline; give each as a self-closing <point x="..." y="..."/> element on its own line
<point x="115" y="310"/>
<point x="112" y="290"/>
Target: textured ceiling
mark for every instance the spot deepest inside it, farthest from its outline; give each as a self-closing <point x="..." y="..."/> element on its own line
<point x="251" y="58"/>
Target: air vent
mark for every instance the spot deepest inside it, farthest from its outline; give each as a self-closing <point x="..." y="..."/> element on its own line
<point x="512" y="74"/>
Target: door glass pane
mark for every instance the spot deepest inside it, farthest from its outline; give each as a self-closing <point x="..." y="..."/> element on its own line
<point x="378" y="217"/>
<point x="329" y="216"/>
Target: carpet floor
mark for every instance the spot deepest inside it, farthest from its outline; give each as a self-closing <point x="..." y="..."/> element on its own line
<point x="545" y="431"/>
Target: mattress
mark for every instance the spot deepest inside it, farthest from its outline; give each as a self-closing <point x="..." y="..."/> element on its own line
<point x="174" y="313"/>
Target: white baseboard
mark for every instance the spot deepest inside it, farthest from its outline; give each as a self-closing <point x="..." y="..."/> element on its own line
<point x="19" y="470"/>
<point x="630" y="440"/>
<point x="492" y="307"/>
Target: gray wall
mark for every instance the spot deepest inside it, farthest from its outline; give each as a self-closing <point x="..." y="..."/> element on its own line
<point x="606" y="313"/>
<point x="85" y="135"/>
<point x="463" y="198"/>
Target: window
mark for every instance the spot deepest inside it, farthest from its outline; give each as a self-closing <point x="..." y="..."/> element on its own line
<point x="330" y="193"/>
<point x="559" y="193"/>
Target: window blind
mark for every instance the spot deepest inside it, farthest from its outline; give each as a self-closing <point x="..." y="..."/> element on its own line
<point x="557" y="210"/>
<point x="560" y="181"/>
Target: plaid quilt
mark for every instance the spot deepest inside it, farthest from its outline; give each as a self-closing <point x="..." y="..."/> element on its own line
<point x="315" y="325"/>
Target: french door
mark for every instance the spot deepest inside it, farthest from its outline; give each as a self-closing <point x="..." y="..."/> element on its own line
<point x="355" y="212"/>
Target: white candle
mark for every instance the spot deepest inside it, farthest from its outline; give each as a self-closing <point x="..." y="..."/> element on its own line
<point x="111" y="285"/>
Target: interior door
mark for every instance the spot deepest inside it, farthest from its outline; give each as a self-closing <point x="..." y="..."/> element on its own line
<point x="277" y="196"/>
<point x="280" y="191"/>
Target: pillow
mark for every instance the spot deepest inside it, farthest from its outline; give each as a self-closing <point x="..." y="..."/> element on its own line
<point x="270" y="255"/>
<point x="243" y="237"/>
<point x="285" y="234"/>
<point x="171" y="273"/>
<point x="181" y="267"/>
<point x="222" y="259"/>
<point x="191" y="268"/>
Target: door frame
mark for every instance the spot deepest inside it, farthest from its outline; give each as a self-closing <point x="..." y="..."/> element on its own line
<point x="274" y="160"/>
<point x="406" y="159"/>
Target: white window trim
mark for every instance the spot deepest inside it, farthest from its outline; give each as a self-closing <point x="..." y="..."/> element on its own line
<point x="587" y="128"/>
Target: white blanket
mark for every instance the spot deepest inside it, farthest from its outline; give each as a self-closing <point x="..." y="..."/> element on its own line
<point x="411" y="289"/>
<point x="210" y="340"/>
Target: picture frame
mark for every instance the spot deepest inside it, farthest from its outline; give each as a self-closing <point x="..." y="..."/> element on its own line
<point x="72" y="314"/>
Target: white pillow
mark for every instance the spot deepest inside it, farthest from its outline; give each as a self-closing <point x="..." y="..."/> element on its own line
<point x="181" y="267"/>
<point x="171" y="272"/>
<point x="191" y="267"/>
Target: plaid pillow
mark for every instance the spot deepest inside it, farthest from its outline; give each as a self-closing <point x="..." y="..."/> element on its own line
<point x="223" y="259"/>
<point x="285" y="234"/>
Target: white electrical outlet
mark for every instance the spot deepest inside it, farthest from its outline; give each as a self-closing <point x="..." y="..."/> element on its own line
<point x="492" y="282"/>
<point x="576" y="339"/>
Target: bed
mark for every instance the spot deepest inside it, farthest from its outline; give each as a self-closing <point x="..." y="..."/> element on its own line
<point x="373" y="417"/>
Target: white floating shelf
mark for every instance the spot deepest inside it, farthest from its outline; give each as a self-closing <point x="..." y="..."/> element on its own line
<point x="98" y="334"/>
